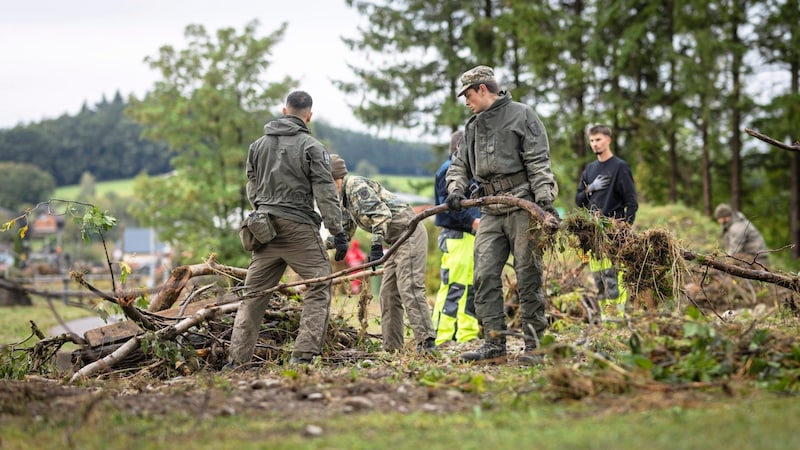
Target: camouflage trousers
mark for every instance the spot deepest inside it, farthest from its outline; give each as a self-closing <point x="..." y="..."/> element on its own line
<point x="299" y="246"/>
<point x="403" y="287"/>
<point x="498" y="236"/>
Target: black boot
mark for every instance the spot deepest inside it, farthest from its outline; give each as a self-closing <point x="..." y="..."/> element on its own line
<point x="429" y="346"/>
<point x="492" y="352"/>
<point x="529" y="357"/>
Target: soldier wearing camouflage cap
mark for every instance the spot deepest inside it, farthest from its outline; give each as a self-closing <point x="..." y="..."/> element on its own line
<point x="374" y="209"/>
<point x="505" y="149"/>
<point x="740" y="237"/>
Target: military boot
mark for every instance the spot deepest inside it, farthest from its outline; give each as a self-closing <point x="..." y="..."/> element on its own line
<point x="428" y="346"/>
<point x="492" y="352"/>
<point x="529" y="357"/>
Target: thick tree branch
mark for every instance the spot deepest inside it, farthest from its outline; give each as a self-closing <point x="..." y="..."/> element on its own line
<point x="792" y="148"/>
<point x="791" y="283"/>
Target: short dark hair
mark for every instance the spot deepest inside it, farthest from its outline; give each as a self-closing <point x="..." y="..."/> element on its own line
<point x="455" y="140"/>
<point x="298" y="101"/>
<point x="600" y="129"/>
<point x="491" y="86"/>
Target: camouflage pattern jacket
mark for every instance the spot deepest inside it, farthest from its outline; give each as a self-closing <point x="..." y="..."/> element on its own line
<point x="287" y="169"/>
<point x="740" y="237"/>
<point x="501" y="141"/>
<point x="374" y="209"/>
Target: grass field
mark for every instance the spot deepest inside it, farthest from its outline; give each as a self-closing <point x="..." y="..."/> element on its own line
<point x="124" y="188"/>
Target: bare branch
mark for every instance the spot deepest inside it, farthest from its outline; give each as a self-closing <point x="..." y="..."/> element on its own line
<point x="792" y="148"/>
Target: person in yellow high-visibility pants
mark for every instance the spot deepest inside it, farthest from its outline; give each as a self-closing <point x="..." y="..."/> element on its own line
<point x="606" y="186"/>
<point x="454" y="311"/>
<point x="611" y="294"/>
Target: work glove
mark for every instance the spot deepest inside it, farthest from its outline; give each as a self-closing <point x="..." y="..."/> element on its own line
<point x="599" y="183"/>
<point x="547" y="206"/>
<point x="454" y="200"/>
<point x="375" y="253"/>
<point x="340" y="242"/>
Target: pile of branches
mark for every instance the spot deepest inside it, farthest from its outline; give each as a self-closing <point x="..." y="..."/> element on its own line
<point x="666" y="353"/>
<point x="196" y="333"/>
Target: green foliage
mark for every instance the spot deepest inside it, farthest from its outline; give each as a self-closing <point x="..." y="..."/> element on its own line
<point x="208" y="106"/>
<point x="100" y="140"/>
<point x="15" y="362"/>
<point x="171" y="352"/>
<point x="94" y="220"/>
<point x="411" y="79"/>
<point x="667" y="78"/>
<point x="388" y="157"/>
<point x="23" y="185"/>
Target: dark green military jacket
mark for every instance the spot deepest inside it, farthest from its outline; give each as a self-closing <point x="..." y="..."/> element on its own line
<point x="505" y="139"/>
<point x="287" y="169"/>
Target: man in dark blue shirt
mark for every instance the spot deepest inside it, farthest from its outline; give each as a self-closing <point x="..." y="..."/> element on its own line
<point x="606" y="187"/>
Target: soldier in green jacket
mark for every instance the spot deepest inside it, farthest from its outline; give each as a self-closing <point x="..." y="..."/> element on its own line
<point x="740" y="238"/>
<point x="505" y="149"/>
<point x="374" y="209"/>
<point x="287" y="169"/>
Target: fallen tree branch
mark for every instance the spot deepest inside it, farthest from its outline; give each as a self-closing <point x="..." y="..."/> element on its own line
<point x="791" y="283"/>
<point x="131" y="312"/>
<point x="792" y="148"/>
<point x="168" y="332"/>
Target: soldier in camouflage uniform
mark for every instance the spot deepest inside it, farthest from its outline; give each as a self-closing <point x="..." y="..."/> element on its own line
<point x="740" y="237"/>
<point x="505" y="150"/>
<point x="287" y="169"/>
<point x="378" y="211"/>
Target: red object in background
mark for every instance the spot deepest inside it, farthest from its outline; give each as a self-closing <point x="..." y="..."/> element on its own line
<point x="355" y="257"/>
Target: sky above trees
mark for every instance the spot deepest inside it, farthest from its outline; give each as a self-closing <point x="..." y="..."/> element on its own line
<point x="67" y="53"/>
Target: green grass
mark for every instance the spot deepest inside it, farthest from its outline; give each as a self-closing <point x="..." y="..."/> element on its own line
<point x="15" y="320"/>
<point x="763" y="422"/>
<point x="408" y="184"/>
<point x="122" y="188"/>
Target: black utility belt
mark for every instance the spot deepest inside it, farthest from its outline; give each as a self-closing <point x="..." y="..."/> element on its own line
<point x="503" y="184"/>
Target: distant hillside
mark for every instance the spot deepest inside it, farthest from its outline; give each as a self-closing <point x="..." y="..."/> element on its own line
<point x="389" y="157"/>
<point x="104" y="142"/>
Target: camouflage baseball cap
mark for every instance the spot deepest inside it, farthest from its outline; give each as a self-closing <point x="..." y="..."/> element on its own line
<point x="723" y="210"/>
<point x="476" y="75"/>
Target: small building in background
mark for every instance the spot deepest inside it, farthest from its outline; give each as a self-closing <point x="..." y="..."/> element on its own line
<point x="145" y="254"/>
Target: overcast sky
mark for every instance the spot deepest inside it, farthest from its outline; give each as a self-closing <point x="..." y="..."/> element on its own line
<point x="56" y="54"/>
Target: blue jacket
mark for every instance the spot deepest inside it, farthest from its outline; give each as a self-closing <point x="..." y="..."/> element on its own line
<point x="455" y="220"/>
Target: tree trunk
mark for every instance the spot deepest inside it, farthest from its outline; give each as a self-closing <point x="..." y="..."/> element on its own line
<point x="736" y="111"/>
<point x="707" y="207"/>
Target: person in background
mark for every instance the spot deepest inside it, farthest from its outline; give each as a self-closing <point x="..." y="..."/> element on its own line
<point x="740" y="238"/>
<point x="454" y="311"/>
<point x="377" y="211"/>
<point x="505" y="150"/>
<point x="606" y="187"/>
<point x="287" y="169"/>
<point x="355" y="257"/>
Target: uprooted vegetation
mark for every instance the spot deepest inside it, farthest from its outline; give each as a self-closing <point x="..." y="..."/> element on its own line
<point x="690" y="326"/>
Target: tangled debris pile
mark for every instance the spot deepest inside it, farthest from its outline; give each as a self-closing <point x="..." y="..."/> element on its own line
<point x="167" y="340"/>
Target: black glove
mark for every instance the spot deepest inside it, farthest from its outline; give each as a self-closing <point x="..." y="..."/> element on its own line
<point x="375" y="253"/>
<point x="454" y="200"/>
<point x="340" y="242"/>
<point x="547" y="206"/>
<point x="599" y="183"/>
